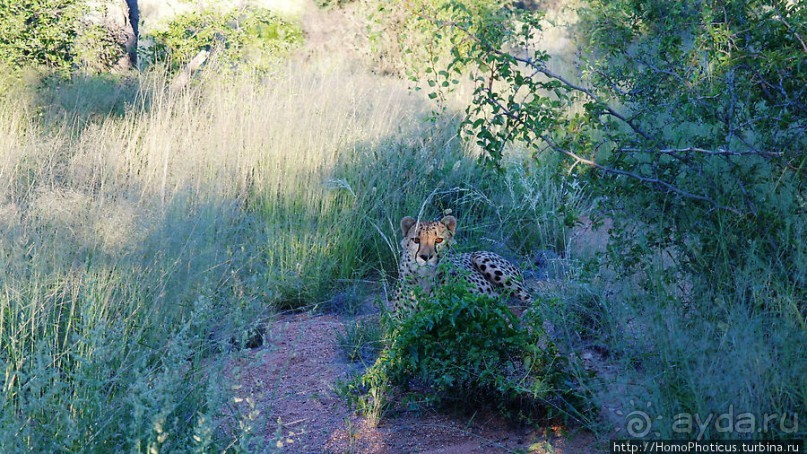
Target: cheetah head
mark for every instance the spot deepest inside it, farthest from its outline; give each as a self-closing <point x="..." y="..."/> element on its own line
<point x="425" y="242"/>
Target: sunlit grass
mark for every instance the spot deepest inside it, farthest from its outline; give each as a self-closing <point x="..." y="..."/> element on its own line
<point x="137" y="240"/>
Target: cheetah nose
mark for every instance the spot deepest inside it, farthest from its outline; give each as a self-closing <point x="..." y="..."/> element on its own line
<point x="425" y="257"/>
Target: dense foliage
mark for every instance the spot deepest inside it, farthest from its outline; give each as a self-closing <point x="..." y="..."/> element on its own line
<point x="254" y="36"/>
<point x="470" y="350"/>
<point x="702" y="102"/>
<point x="687" y="119"/>
<point x="331" y="3"/>
<point x="39" y="32"/>
<point x="714" y="100"/>
<point x="58" y="34"/>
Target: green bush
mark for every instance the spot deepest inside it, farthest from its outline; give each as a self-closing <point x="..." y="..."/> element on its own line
<point x="708" y="149"/>
<point x="39" y="32"/>
<point x="252" y="36"/>
<point x="401" y="45"/>
<point x="470" y="350"/>
<point x="332" y="3"/>
<point x="97" y="49"/>
<point x="687" y="120"/>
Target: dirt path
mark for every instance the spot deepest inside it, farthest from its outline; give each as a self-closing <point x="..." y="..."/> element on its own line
<point x="290" y="383"/>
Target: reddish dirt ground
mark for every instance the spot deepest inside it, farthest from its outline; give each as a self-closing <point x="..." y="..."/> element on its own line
<point x="290" y="382"/>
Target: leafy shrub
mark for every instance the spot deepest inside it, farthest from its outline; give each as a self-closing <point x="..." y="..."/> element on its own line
<point x="98" y="48"/>
<point x="720" y="148"/>
<point x="688" y="121"/>
<point x="470" y="349"/>
<point x="332" y="3"/>
<point x="400" y="46"/>
<point x="39" y="32"/>
<point x="252" y="36"/>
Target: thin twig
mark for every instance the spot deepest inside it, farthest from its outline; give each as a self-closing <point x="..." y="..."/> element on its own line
<point x="610" y="170"/>
<point x="720" y="152"/>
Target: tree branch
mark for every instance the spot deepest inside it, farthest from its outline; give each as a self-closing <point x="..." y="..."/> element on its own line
<point x="657" y="182"/>
<point x="541" y="68"/>
<point x="720" y="152"/>
<point x="647" y="180"/>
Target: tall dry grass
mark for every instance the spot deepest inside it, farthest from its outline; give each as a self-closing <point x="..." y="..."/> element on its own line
<point x="144" y="228"/>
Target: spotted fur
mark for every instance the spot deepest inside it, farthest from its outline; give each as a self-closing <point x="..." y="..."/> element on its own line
<point x="426" y="244"/>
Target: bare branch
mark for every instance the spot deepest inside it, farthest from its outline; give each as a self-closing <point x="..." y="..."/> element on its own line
<point x="647" y="180"/>
<point x="789" y="28"/>
<point x="654" y="145"/>
<point x="541" y="68"/>
<point x="657" y="182"/>
<point x="688" y="150"/>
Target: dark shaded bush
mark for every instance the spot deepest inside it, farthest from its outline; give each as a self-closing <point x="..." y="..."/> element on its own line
<point x="470" y="351"/>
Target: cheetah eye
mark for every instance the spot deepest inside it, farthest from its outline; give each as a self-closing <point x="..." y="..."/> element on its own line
<point x="438" y="241"/>
<point x="416" y="240"/>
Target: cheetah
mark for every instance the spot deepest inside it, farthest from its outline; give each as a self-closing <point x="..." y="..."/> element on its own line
<point x="426" y="244"/>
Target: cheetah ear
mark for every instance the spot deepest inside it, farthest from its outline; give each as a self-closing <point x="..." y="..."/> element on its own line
<point x="451" y="224"/>
<point x="406" y="223"/>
